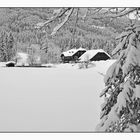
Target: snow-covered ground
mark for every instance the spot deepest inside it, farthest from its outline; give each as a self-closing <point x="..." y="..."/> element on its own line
<point x="61" y="98"/>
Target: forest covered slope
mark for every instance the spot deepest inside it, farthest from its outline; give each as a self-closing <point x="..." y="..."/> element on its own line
<point x="90" y="33"/>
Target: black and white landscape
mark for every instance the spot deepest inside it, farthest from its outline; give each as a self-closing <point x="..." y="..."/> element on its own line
<point x="69" y="69"/>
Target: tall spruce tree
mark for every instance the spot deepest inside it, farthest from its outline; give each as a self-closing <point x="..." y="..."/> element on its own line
<point x="120" y="111"/>
<point x="10" y="47"/>
<point x="7" y="50"/>
<point x="3" y="52"/>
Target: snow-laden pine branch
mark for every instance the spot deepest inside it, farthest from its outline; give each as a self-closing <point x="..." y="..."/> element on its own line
<point x="120" y="111"/>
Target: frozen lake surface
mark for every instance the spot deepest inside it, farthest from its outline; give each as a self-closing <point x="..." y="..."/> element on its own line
<point x="59" y="99"/>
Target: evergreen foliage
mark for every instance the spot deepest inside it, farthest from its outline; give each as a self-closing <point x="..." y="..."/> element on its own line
<point x="121" y="108"/>
<point x="7" y="48"/>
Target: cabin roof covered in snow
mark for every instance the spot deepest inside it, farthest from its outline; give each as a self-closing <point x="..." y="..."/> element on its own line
<point x="72" y="51"/>
<point x="91" y="53"/>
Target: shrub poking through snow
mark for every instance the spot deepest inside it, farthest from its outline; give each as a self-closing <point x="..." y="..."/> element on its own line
<point x="85" y="63"/>
<point x="82" y="65"/>
<point x="120" y="111"/>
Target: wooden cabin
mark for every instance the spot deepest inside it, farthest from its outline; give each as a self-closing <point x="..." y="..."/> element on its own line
<point x="72" y="55"/>
<point x="94" y="55"/>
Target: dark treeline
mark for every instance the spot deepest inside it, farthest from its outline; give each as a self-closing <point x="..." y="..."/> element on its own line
<point x="18" y="33"/>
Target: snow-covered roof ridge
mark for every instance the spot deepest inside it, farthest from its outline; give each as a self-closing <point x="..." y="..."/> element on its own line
<point x="91" y="53"/>
<point x="72" y="51"/>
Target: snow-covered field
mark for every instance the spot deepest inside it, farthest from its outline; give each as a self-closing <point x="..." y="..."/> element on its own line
<point x="61" y="98"/>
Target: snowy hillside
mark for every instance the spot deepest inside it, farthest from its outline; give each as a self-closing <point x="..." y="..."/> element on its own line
<point x="62" y="98"/>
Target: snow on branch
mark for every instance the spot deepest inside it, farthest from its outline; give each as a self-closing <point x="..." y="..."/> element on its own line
<point x="62" y="23"/>
<point x="97" y="10"/>
<point x="58" y="14"/>
<point x="121" y="108"/>
<point x="125" y="12"/>
<point x="121" y="13"/>
<point x="116" y="10"/>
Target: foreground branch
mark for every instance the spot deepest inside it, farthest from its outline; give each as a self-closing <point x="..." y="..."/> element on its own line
<point x="60" y="14"/>
<point x="62" y="23"/>
<point x="120" y="14"/>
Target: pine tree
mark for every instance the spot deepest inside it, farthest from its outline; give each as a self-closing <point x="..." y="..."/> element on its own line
<point x="3" y="51"/>
<point x="7" y="50"/>
<point x="10" y="47"/>
<point x="120" y="111"/>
